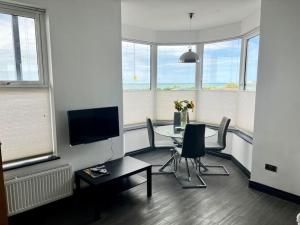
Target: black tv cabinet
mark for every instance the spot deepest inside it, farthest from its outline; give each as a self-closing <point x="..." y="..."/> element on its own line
<point x="123" y="176"/>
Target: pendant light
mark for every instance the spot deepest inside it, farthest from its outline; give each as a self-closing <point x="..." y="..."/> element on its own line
<point x="189" y="56"/>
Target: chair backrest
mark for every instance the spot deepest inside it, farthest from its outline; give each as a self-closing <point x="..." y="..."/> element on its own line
<point x="193" y="145"/>
<point x="150" y="133"/>
<point x="222" y="132"/>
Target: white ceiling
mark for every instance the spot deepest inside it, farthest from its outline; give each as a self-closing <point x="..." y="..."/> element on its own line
<point x="173" y="14"/>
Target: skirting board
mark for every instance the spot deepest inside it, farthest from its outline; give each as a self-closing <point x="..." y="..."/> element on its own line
<point x="220" y="154"/>
<point x="275" y="192"/>
<point x="241" y="167"/>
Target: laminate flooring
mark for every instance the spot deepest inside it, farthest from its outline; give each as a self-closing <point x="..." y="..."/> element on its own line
<point x="227" y="200"/>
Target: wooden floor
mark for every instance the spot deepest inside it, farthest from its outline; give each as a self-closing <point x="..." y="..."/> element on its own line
<point x="225" y="201"/>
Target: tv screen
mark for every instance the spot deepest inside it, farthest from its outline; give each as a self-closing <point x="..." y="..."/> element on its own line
<point x="91" y="125"/>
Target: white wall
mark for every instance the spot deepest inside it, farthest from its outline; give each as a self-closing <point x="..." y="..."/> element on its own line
<point x="138" y="105"/>
<point x="216" y="104"/>
<point x="242" y="151"/>
<point x="167" y="37"/>
<point x="136" y="140"/>
<point x="85" y="41"/>
<point x="251" y="22"/>
<point x="227" y="31"/>
<point x="277" y="121"/>
<point x="137" y="33"/>
<point x="245" y="110"/>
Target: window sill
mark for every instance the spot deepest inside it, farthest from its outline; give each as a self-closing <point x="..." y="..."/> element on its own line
<point x="220" y="90"/>
<point x="162" y="90"/>
<point x="138" y="90"/>
<point x="28" y="162"/>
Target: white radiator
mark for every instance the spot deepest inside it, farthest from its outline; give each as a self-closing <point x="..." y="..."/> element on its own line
<point x="24" y="193"/>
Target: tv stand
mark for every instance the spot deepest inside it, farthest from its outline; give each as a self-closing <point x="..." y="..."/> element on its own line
<point x="123" y="176"/>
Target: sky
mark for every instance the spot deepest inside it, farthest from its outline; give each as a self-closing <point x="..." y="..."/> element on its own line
<point x="221" y="62"/>
<point x="29" y="61"/>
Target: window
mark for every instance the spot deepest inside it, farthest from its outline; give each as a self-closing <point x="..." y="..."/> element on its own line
<point x="25" y="112"/>
<point x="251" y="63"/>
<point x="19" y="49"/>
<point x="135" y="66"/>
<point x="221" y="65"/>
<point x="172" y="75"/>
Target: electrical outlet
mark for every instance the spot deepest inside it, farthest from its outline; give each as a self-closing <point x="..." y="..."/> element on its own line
<point x="271" y="168"/>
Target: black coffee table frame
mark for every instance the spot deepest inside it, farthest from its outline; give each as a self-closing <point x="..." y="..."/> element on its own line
<point x="123" y="176"/>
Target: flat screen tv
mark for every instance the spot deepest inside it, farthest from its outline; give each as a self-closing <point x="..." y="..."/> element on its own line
<point x="91" y="125"/>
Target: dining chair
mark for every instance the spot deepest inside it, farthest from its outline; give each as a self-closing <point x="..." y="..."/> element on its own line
<point x="155" y="147"/>
<point x="193" y="147"/>
<point x="218" y="146"/>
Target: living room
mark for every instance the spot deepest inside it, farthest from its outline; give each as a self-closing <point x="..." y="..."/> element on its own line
<point x="67" y="56"/>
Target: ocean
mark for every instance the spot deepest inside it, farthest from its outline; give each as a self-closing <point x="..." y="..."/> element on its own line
<point x="185" y="86"/>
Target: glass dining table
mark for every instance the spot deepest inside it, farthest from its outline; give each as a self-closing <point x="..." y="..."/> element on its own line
<point x="176" y="134"/>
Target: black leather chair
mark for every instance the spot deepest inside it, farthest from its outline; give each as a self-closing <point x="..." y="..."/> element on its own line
<point x="218" y="146"/>
<point x="193" y="147"/>
<point x="154" y="147"/>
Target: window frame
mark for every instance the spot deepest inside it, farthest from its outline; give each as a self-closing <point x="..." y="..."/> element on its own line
<point x="241" y="38"/>
<point x="247" y="37"/>
<point x="151" y="45"/>
<point x="196" y="64"/>
<point x="39" y="16"/>
<point x="41" y="48"/>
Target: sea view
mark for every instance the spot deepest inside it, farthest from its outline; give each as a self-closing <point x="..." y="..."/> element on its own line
<point x="184" y="86"/>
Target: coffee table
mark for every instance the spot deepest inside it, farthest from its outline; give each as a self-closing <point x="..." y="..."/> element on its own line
<point x="123" y="176"/>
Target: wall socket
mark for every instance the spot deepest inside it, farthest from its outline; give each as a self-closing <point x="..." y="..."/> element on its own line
<point x="271" y="168"/>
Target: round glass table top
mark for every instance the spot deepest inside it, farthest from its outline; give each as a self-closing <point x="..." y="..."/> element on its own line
<point x="169" y="131"/>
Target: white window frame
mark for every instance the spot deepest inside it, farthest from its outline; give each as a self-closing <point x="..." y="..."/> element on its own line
<point x="39" y="17"/>
<point x="151" y="45"/>
<point x="243" y="76"/>
<point x="196" y="66"/>
<point x="241" y="60"/>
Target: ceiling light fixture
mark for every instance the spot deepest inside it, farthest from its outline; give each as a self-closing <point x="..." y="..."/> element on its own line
<point x="189" y="56"/>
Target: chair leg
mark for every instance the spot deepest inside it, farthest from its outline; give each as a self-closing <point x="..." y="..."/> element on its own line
<point x="168" y="163"/>
<point x="176" y="162"/>
<point x="206" y="168"/>
<point x="192" y="162"/>
<point x="202" y="185"/>
<point x="188" y="170"/>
